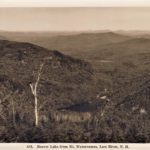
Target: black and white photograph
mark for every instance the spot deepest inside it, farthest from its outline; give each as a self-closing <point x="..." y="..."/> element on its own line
<point x="75" y="75"/>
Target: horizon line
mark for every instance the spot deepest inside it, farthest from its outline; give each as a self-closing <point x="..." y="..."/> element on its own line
<point x="105" y="30"/>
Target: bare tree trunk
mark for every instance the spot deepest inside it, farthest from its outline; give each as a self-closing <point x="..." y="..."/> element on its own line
<point x="13" y="112"/>
<point x="36" y="112"/>
<point x="12" y="104"/>
<point x="33" y="87"/>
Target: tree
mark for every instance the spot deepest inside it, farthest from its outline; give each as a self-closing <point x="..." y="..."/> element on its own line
<point x="13" y="112"/>
<point x="9" y="97"/>
<point x="34" y="87"/>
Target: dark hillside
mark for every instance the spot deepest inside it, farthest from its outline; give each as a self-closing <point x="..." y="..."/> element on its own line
<point x="107" y="101"/>
<point x="64" y="81"/>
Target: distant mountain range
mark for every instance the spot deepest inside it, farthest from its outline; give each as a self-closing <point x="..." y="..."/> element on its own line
<point x="73" y="42"/>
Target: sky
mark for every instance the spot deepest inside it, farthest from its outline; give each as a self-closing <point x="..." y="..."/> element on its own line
<point x="74" y="19"/>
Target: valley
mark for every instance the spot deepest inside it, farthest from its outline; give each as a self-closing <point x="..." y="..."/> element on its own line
<point x="93" y="87"/>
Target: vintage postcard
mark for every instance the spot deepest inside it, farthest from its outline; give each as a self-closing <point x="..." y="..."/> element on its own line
<point x="74" y="76"/>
